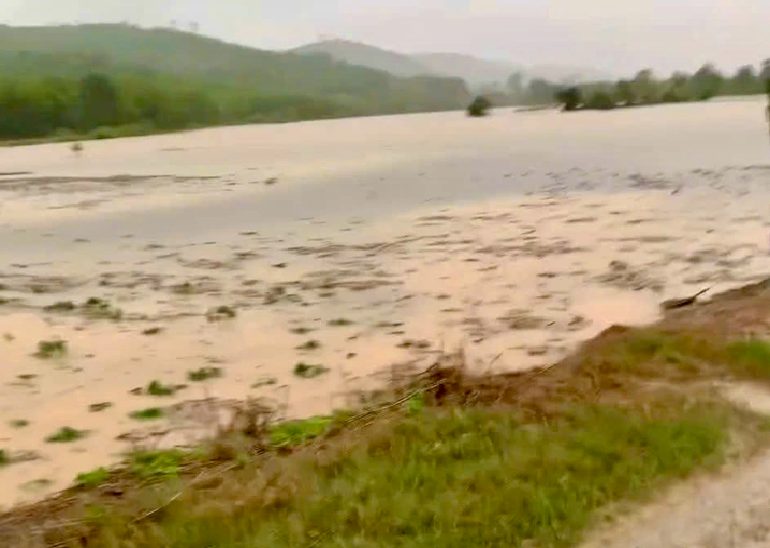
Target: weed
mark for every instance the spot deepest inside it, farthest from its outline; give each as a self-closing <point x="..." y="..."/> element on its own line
<point x="97" y="308"/>
<point x="47" y="350"/>
<point x="221" y="313"/>
<point x="750" y="358"/>
<point x="289" y="434"/>
<point x="156" y="388"/>
<point x="99" y="407"/>
<point x="66" y="435"/>
<point x="19" y="423"/>
<point x="8" y="337"/>
<point x="309" y="371"/>
<point x="94" y="478"/>
<point x="204" y="374"/>
<point x="152" y="331"/>
<point x="4" y="458"/>
<point x="156" y="464"/>
<point x="62" y="306"/>
<point x="340" y="322"/>
<point x="309" y="346"/>
<point x="301" y="330"/>
<point x="265" y="381"/>
<point x="149" y="414"/>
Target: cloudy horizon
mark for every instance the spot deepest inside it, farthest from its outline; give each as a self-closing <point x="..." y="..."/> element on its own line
<point x="618" y="39"/>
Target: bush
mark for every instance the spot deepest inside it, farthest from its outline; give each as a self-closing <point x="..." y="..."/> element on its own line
<point x="479" y="107"/>
<point x="600" y="101"/>
<point x="571" y="98"/>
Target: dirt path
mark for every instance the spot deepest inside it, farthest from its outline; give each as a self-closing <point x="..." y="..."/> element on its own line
<point x="731" y="510"/>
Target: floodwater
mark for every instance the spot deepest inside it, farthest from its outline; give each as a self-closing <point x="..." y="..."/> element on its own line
<point x="382" y="240"/>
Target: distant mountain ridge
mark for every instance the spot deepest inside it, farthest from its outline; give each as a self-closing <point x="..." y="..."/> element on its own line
<point x="477" y="72"/>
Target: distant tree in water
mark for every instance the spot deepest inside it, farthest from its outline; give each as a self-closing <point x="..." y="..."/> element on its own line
<point x="480" y="106"/>
<point x="625" y="93"/>
<point x="570" y="97"/>
<point x="600" y="100"/>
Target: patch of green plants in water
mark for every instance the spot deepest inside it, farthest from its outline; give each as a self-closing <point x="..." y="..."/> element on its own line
<point x="66" y="434"/>
<point x="309" y="371"/>
<point x="204" y="374"/>
<point x="149" y="414"/>
<point x="47" y="350"/>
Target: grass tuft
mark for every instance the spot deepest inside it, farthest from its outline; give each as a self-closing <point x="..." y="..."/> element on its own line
<point x="158" y="389"/>
<point x="99" y="407"/>
<point x="340" y="322"/>
<point x="47" y="350"/>
<point x="204" y="374"/>
<point x="221" y="313"/>
<point x="94" y="478"/>
<point x="309" y="371"/>
<point x="156" y="464"/>
<point x="309" y="346"/>
<point x="66" y="434"/>
<point x="149" y="414"/>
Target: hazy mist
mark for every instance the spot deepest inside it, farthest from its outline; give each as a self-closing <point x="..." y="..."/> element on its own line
<point x="620" y="37"/>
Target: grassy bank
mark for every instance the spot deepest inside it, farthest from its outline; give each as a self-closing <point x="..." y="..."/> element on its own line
<point x="458" y="460"/>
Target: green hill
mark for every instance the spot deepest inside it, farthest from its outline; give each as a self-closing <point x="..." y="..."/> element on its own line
<point x="43" y="69"/>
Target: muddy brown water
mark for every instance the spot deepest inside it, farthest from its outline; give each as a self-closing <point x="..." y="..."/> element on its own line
<point x="383" y="239"/>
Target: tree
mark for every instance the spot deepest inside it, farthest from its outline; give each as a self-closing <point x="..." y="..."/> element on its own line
<point x="625" y="94"/>
<point x="479" y="107"/>
<point x="541" y="91"/>
<point x="570" y="97"/>
<point x="765" y="72"/>
<point x="645" y="87"/>
<point x="516" y="84"/>
<point x="600" y="100"/>
<point x="707" y="82"/>
<point x="99" y="101"/>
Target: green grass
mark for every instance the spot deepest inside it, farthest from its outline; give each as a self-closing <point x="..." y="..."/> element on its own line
<point x="294" y="433"/>
<point x="452" y="478"/>
<point x="309" y="371"/>
<point x="91" y="479"/>
<point x="750" y="358"/>
<point x="204" y="374"/>
<point x="158" y="389"/>
<point x="47" y="350"/>
<point x="156" y="464"/>
<point x="66" y="434"/>
<point x="149" y="414"/>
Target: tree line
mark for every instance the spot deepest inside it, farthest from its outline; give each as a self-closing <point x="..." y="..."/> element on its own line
<point x="645" y="88"/>
<point x="112" y="80"/>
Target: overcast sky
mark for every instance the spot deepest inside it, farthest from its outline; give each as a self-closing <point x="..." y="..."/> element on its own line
<point x="616" y="35"/>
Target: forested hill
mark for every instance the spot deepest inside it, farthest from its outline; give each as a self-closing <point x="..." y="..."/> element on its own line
<point x="144" y="73"/>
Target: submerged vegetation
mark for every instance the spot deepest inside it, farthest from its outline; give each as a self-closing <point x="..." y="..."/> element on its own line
<point x="47" y="350"/>
<point x="479" y="107"/>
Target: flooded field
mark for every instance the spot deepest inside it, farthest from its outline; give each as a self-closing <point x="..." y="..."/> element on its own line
<point x="300" y="263"/>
